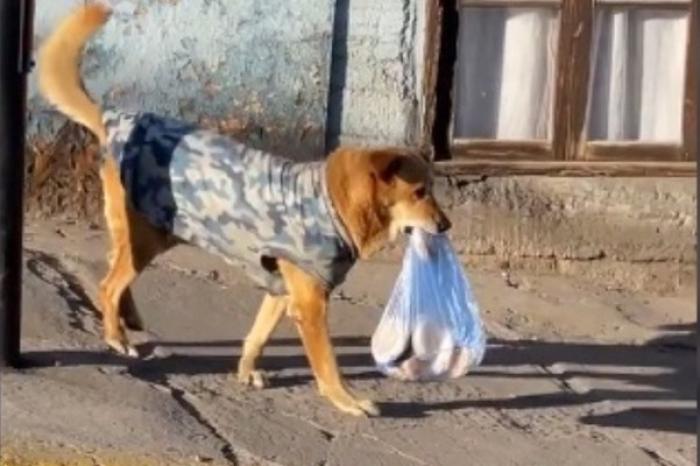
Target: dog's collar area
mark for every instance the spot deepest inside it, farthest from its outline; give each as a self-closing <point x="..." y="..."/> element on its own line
<point x="335" y="217"/>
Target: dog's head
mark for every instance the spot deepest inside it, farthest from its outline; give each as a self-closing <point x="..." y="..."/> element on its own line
<point x="385" y="192"/>
<point x="404" y="190"/>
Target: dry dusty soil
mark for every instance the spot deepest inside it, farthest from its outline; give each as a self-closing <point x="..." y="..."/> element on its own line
<point x="575" y="374"/>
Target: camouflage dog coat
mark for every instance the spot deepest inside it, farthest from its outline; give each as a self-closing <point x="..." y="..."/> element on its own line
<point x="243" y="204"/>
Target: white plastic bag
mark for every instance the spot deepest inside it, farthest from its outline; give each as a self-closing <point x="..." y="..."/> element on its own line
<point x="431" y="328"/>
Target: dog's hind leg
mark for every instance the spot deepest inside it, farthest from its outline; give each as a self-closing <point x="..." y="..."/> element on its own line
<point x="121" y="273"/>
<point x="134" y="244"/>
<point x="269" y="315"/>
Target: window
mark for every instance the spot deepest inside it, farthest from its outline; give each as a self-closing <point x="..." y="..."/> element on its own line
<point x="504" y="84"/>
<point x="562" y="86"/>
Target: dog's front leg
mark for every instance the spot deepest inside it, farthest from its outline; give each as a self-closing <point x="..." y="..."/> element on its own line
<point x="268" y="317"/>
<point x="309" y="304"/>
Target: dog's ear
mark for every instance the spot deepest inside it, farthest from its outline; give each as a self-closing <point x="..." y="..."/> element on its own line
<point x="392" y="169"/>
<point x="387" y="164"/>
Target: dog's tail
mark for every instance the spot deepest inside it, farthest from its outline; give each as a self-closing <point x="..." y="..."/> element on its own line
<point x="59" y="67"/>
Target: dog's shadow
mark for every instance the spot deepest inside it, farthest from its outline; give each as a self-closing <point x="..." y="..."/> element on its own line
<point x="672" y="380"/>
<point x="192" y="358"/>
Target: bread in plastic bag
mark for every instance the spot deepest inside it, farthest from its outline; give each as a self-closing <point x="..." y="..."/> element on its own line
<point x="431" y="328"/>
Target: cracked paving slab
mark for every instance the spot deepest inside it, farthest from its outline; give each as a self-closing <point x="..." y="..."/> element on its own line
<point x="615" y="387"/>
<point x="92" y="411"/>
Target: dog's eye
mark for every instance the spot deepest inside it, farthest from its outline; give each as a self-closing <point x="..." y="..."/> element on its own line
<point x="420" y="192"/>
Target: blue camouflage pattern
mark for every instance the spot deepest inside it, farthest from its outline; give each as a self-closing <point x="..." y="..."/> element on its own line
<point x="243" y="204"/>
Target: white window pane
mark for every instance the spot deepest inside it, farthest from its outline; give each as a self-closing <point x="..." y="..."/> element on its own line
<point x="505" y="73"/>
<point x="638" y="60"/>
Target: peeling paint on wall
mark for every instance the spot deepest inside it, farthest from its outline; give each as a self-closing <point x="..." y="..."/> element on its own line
<point x="261" y="70"/>
<point x="237" y="64"/>
<point x="377" y="72"/>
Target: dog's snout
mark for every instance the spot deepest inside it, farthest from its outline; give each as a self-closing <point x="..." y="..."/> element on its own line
<point x="444" y="224"/>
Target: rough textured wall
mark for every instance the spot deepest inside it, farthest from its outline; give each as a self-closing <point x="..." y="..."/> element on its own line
<point x="628" y="233"/>
<point x="261" y="69"/>
<point x="257" y="68"/>
<point x="377" y="71"/>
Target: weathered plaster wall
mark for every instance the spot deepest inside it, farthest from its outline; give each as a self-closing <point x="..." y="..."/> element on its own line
<point x="260" y="69"/>
<point x="246" y="66"/>
<point x="630" y="233"/>
<point x="377" y="72"/>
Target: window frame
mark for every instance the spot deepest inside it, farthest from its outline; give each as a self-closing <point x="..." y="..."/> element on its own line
<point x="568" y="152"/>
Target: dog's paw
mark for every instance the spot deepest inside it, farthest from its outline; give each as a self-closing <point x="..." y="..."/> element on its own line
<point x="123" y="348"/>
<point x="359" y="408"/>
<point x="347" y="403"/>
<point x="368" y="407"/>
<point x="253" y="378"/>
<point x="363" y="408"/>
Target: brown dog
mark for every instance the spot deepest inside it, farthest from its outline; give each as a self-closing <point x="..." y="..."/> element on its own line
<point x="376" y="193"/>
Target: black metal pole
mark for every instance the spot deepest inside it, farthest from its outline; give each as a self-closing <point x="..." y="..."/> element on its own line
<point x="16" y="17"/>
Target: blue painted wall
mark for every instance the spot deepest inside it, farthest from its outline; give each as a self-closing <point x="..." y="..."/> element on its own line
<point x="258" y="68"/>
